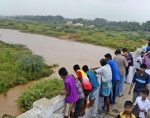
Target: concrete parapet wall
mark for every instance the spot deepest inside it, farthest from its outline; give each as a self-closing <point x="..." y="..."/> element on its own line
<point x="45" y="108"/>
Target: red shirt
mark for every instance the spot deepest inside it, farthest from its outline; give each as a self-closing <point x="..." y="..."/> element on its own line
<point x="81" y="75"/>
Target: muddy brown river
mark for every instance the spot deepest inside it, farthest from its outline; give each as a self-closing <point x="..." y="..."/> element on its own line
<point x="54" y="51"/>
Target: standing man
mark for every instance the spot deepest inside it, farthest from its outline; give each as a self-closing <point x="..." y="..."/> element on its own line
<point x="122" y="65"/>
<point x="115" y="77"/>
<point x="146" y="61"/>
<point x="94" y="95"/>
<point x="129" y="69"/>
<point x="85" y="83"/>
<point x="106" y="85"/>
<point x="71" y="92"/>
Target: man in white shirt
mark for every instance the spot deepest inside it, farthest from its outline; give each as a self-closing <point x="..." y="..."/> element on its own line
<point x="143" y="103"/>
<point x="106" y="82"/>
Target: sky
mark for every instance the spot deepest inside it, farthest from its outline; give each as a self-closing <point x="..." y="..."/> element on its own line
<point x="113" y="10"/>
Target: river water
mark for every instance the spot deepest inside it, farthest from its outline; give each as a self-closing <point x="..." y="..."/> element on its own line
<point x="54" y="51"/>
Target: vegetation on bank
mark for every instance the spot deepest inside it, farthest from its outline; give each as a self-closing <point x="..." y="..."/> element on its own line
<point x="18" y="65"/>
<point x="105" y="33"/>
<point x="43" y="88"/>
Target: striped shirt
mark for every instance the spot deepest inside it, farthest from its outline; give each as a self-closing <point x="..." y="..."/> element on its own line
<point x="140" y="81"/>
<point x="79" y="89"/>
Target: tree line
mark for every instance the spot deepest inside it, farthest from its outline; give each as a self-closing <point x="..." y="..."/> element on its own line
<point x="100" y="23"/>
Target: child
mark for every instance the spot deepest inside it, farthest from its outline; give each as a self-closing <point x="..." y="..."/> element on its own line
<point x="94" y="95"/>
<point x="86" y="85"/>
<point x="141" y="80"/>
<point x="70" y="92"/>
<point x="127" y="113"/>
<point x="143" y="103"/>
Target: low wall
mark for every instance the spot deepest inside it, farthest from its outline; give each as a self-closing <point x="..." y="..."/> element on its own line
<point x="45" y="108"/>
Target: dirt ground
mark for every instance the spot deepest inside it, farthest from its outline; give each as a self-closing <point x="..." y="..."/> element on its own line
<point x="118" y="107"/>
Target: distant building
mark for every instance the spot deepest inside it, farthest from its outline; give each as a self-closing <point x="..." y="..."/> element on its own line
<point x="78" y="24"/>
<point x="91" y="26"/>
<point x="69" y="22"/>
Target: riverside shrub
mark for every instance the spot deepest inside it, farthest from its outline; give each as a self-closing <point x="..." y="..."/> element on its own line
<point x="18" y="65"/>
<point x="43" y="88"/>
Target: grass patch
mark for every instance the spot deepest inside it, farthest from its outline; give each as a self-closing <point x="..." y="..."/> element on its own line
<point x="43" y="88"/>
<point x="18" y="65"/>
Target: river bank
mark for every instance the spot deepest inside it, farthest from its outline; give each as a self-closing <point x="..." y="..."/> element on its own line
<point x="101" y="36"/>
<point x="54" y="51"/>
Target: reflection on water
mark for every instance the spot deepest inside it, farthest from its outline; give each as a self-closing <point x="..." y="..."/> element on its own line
<point x="63" y="52"/>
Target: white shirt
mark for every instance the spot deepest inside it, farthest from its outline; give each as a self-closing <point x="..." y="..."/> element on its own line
<point x="147" y="71"/>
<point x="145" y="105"/>
<point x="139" y="61"/>
<point x="105" y="72"/>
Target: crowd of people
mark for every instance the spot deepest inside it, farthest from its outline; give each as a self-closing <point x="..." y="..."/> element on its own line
<point x="97" y="88"/>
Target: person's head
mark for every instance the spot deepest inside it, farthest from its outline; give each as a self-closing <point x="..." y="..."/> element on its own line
<point x="142" y="54"/>
<point x="108" y="56"/>
<point x="63" y="72"/>
<point x="125" y="50"/>
<point x="76" y="67"/>
<point x="85" y="68"/>
<point x="118" y="51"/>
<point x="144" y="93"/>
<point x="103" y="62"/>
<point x="128" y="107"/>
<point x="142" y="68"/>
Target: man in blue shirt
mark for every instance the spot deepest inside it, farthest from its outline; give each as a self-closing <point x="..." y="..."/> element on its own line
<point x="94" y="95"/>
<point x="115" y="76"/>
<point x="148" y="46"/>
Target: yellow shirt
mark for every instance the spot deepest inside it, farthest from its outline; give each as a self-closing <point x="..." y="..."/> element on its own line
<point x="122" y="115"/>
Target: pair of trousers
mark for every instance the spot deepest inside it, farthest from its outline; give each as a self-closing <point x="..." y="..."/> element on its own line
<point x="121" y="85"/>
<point x="115" y="87"/>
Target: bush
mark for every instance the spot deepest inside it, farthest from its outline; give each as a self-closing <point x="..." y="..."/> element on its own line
<point x="43" y="88"/>
<point x="18" y="66"/>
<point x="30" y="64"/>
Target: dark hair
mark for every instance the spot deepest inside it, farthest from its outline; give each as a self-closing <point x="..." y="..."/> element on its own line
<point x="143" y="66"/>
<point x="125" y="50"/>
<point x="108" y="56"/>
<point x="76" y="67"/>
<point x="118" y="51"/>
<point x="103" y="62"/>
<point x="128" y="103"/>
<point x="62" y="71"/>
<point x="145" y="90"/>
<point x="85" y="68"/>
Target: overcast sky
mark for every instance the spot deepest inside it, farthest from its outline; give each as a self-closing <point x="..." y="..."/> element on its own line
<point x="116" y="10"/>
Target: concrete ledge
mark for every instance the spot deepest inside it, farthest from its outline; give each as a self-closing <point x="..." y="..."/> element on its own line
<point x="44" y="108"/>
<point x="33" y="113"/>
<point x="41" y="103"/>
